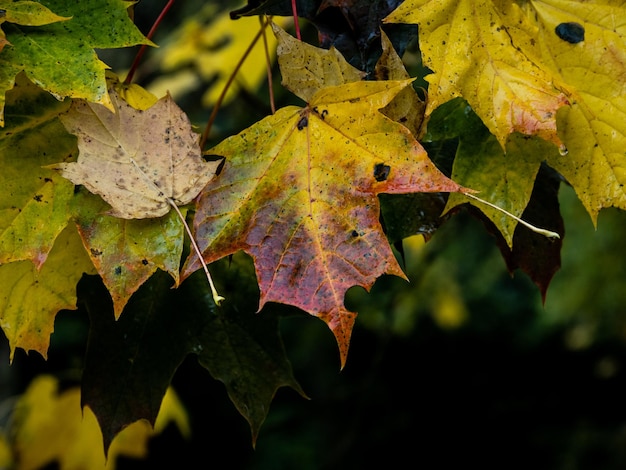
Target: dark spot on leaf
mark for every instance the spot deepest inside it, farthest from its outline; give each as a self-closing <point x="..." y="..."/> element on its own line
<point x="95" y="252"/>
<point x="144" y="262"/>
<point x="220" y="167"/>
<point x="571" y="32"/>
<point x="47" y="180"/>
<point x="303" y="122"/>
<point x="38" y="197"/>
<point x="118" y="270"/>
<point x="354" y="234"/>
<point x="381" y="171"/>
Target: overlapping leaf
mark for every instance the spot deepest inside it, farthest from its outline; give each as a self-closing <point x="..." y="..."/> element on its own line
<point x="25" y="13"/>
<point x="594" y="71"/>
<point x="483" y="51"/>
<point x="298" y="193"/>
<point x="127" y="252"/>
<point x="31" y="298"/>
<point x="34" y="202"/>
<point x="140" y="162"/>
<point x="60" y="57"/>
<point x="531" y="46"/>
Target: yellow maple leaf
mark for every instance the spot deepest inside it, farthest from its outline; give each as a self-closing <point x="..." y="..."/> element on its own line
<point x="482" y="50"/>
<point x="584" y="46"/>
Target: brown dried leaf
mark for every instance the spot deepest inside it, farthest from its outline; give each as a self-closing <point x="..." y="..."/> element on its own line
<point x="138" y="161"/>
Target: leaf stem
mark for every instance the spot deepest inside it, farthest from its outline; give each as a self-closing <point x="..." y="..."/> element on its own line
<point x="218" y="103"/>
<point x="216" y="297"/>
<point x="142" y="49"/>
<point x="540" y="231"/>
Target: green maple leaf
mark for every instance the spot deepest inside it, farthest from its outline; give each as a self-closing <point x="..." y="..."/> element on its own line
<point x="131" y="361"/>
<point x="127" y="252"/>
<point x="34" y="201"/>
<point x="25" y="13"/>
<point x="60" y="57"/>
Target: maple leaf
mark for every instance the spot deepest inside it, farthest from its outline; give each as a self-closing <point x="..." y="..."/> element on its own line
<point x="34" y="202"/>
<point x="484" y="52"/>
<point x="60" y="57"/>
<point x="25" y="13"/>
<point x="142" y="163"/>
<point x="592" y="67"/>
<point x="298" y="193"/>
<point x="127" y="252"/>
<point x="30" y="298"/>
<point x="121" y="383"/>
<point x="503" y="179"/>
<point x="307" y="69"/>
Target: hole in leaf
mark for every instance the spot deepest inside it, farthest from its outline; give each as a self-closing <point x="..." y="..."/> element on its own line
<point x="381" y="171"/>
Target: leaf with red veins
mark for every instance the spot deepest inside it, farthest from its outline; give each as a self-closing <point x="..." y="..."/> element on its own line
<point x="298" y="192"/>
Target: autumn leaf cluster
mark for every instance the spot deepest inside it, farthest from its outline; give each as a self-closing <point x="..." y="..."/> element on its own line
<point x="100" y="176"/>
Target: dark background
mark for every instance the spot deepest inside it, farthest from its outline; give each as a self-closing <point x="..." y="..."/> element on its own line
<point x="505" y="382"/>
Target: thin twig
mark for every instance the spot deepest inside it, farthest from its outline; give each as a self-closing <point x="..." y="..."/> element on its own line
<point x="270" y="81"/>
<point x="142" y="49"/>
<point x="218" y="103"/>
<point x="294" y="10"/>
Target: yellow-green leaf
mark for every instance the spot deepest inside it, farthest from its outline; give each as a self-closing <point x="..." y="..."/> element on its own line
<point x="50" y="426"/>
<point x="127" y="252"/>
<point x="483" y="51"/>
<point x="60" y="57"/>
<point x="31" y="298"/>
<point x="28" y="13"/>
<point x="503" y="179"/>
<point x="592" y="67"/>
<point x="34" y="202"/>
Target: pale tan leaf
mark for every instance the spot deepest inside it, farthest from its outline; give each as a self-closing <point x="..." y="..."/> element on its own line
<point x="140" y="162"/>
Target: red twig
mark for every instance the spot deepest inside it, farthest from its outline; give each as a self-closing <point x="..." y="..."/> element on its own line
<point x="268" y="61"/>
<point x="218" y="104"/>
<point x="294" y="9"/>
<point x="142" y="49"/>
